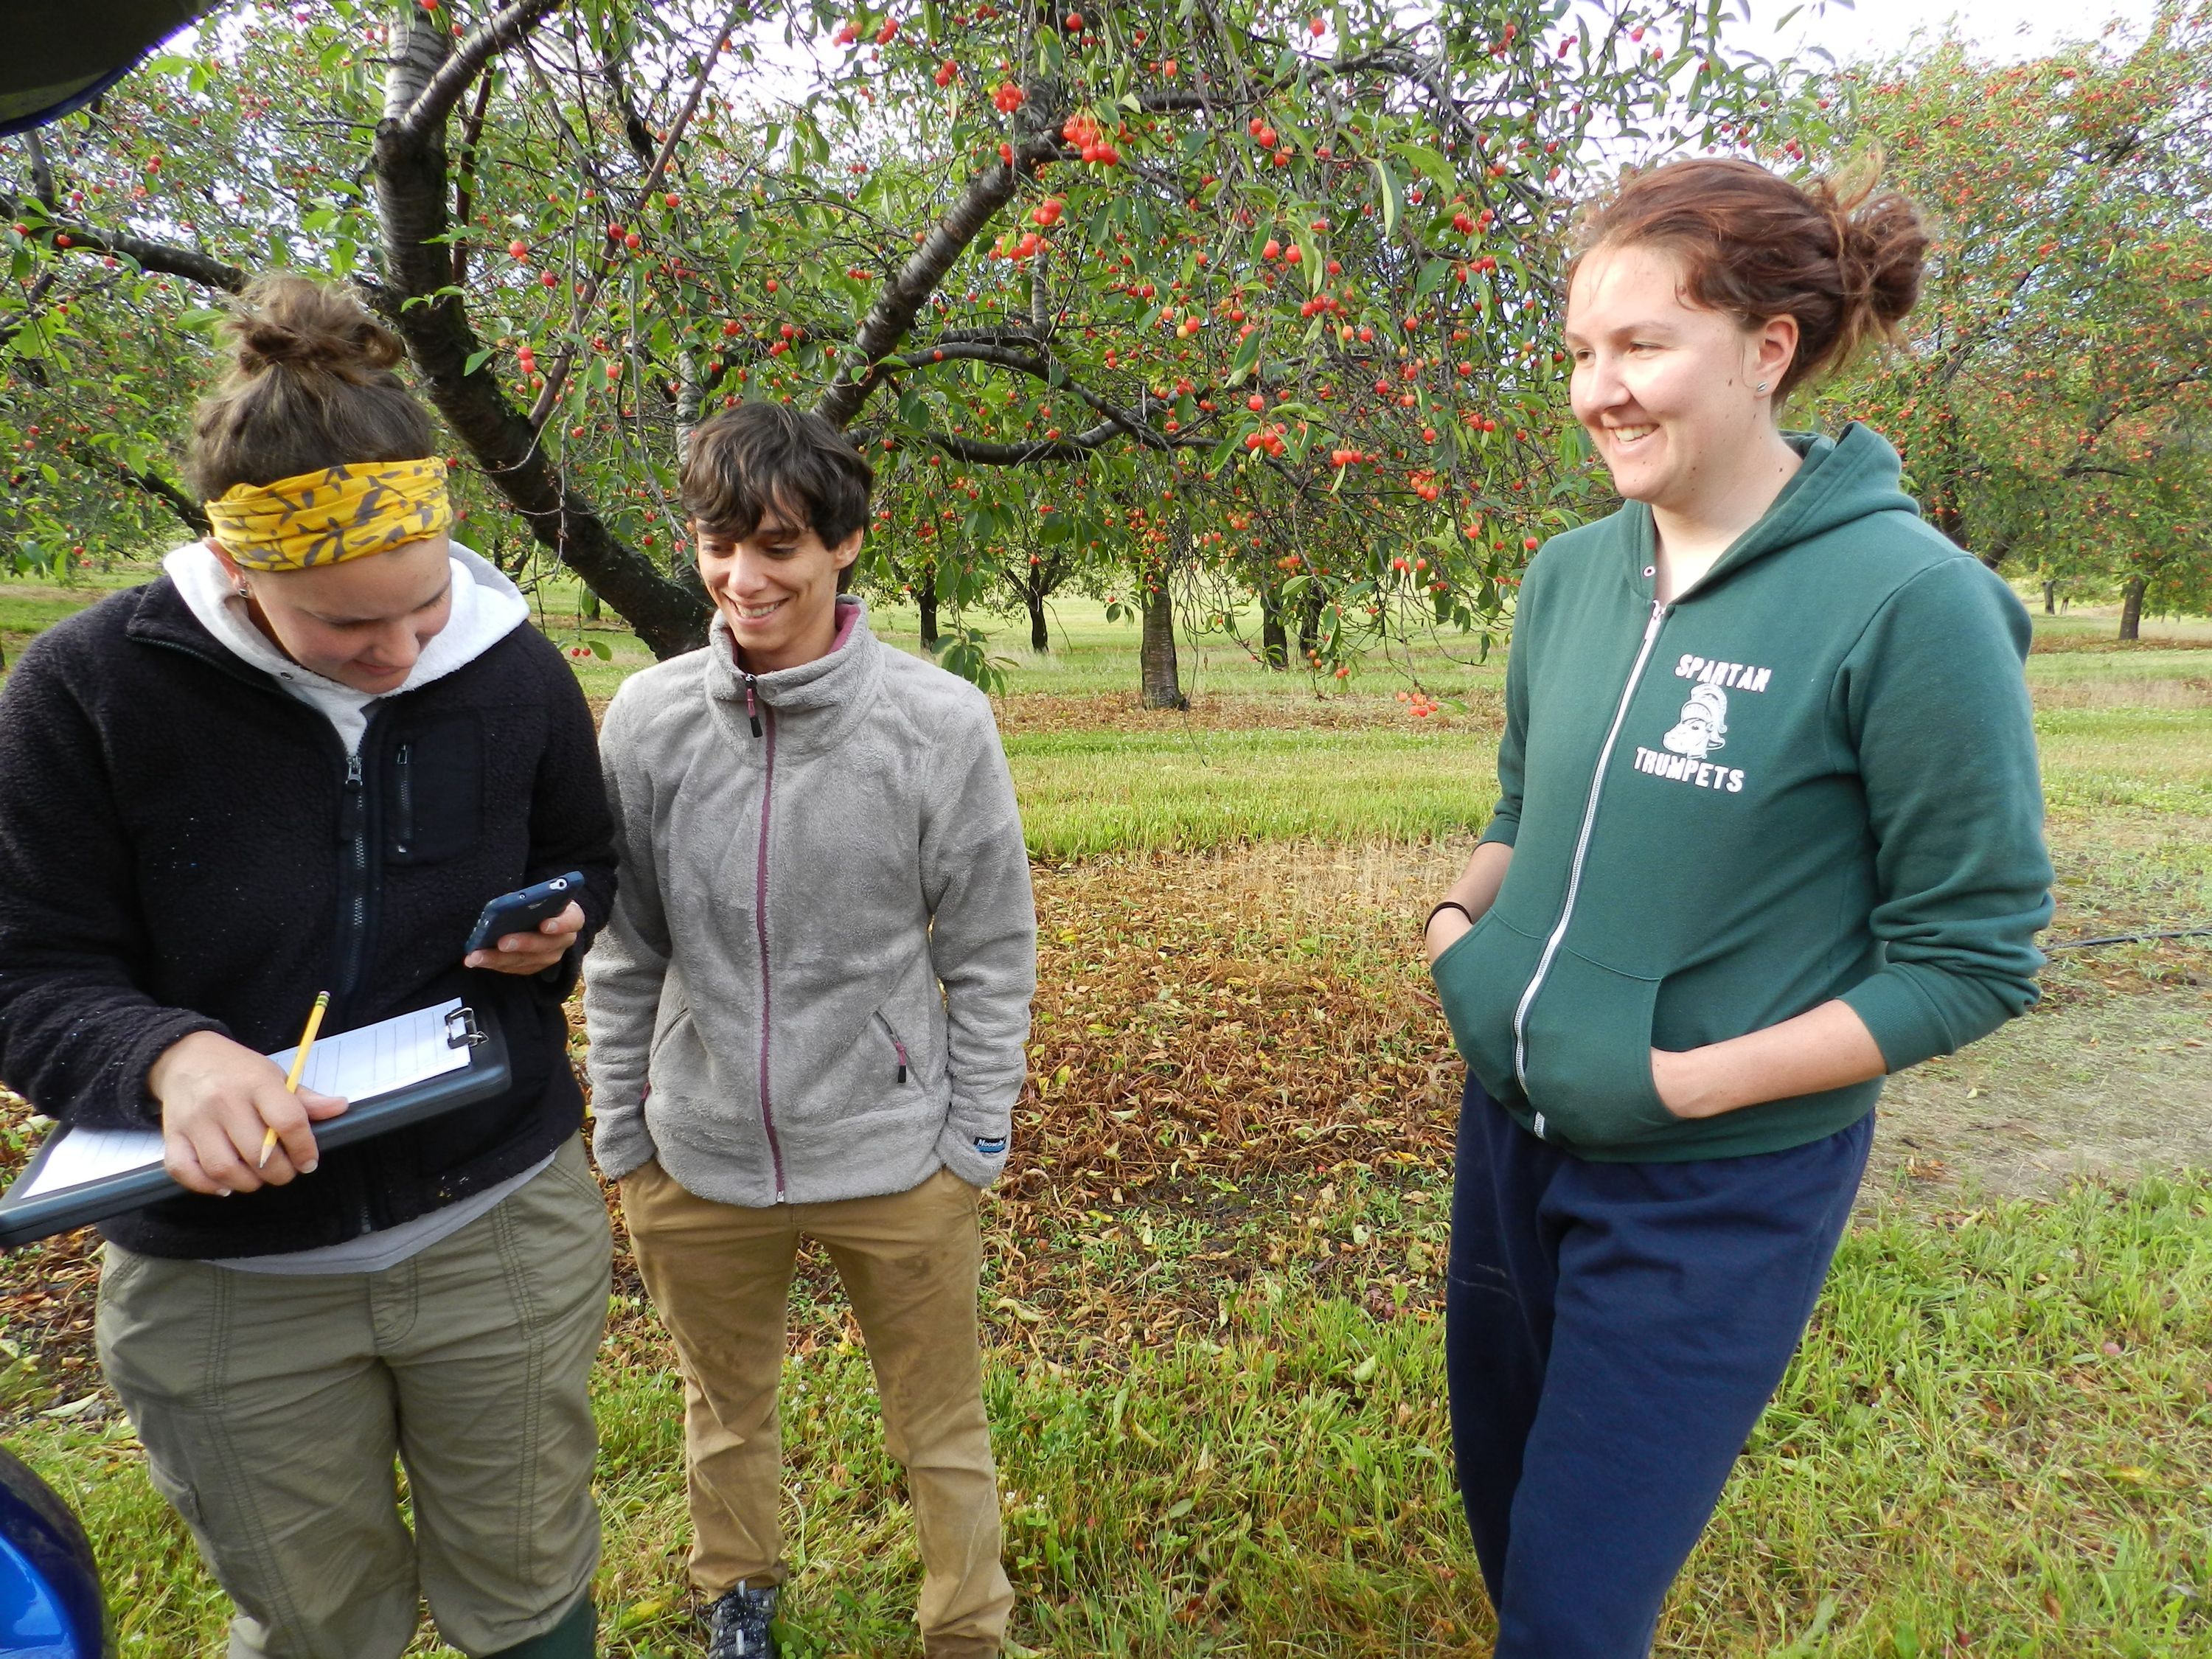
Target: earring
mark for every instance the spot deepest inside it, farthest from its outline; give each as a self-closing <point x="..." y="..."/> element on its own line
<point x="243" y="591"/>
<point x="1761" y="387"/>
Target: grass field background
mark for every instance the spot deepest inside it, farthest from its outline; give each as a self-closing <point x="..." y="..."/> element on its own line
<point x="1213" y="1298"/>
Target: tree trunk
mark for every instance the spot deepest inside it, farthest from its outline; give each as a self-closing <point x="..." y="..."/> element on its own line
<point x="2131" y="598"/>
<point x="1274" y="637"/>
<point x="2051" y="598"/>
<point x="1163" y="685"/>
<point x="1040" y="629"/>
<point x="925" y="599"/>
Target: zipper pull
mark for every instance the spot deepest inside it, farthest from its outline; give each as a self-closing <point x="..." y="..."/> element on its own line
<point x="901" y="1049"/>
<point x="1658" y="616"/>
<point x="752" y="708"/>
<point x="353" y="770"/>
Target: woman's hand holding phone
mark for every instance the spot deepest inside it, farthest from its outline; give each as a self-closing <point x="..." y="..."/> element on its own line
<point x="532" y="953"/>
<point x="218" y="1097"/>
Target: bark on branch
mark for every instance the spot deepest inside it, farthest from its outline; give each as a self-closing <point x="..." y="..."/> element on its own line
<point x="409" y="170"/>
<point x="892" y="318"/>
<point x="171" y="261"/>
<point x="432" y="100"/>
<point x="194" y="516"/>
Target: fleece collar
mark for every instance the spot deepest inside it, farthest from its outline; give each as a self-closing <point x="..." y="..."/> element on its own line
<point x="816" y="703"/>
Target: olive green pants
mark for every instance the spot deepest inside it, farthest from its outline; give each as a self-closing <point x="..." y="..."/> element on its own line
<point x="274" y="1409"/>
<point x="720" y="1276"/>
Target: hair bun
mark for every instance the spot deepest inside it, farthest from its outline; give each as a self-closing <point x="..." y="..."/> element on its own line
<point x="1882" y="248"/>
<point x="309" y="328"/>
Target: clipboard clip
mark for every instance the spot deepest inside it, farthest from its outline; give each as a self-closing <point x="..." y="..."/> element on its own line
<point x="462" y="1030"/>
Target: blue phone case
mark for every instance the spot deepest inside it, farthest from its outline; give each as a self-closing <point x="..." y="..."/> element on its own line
<point x="520" y="911"/>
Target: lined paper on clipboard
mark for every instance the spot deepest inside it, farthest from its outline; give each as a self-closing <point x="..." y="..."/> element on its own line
<point x="358" y="1065"/>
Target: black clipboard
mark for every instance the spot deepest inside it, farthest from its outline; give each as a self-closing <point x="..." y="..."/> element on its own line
<point x="487" y="1074"/>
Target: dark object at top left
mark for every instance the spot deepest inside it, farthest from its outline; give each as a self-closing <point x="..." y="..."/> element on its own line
<point x="60" y="56"/>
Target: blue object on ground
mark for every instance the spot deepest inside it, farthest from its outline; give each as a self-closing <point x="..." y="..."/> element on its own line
<point x="51" y="1606"/>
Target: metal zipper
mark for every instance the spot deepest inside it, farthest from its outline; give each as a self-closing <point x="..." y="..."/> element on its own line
<point x="403" y="775"/>
<point x="354" y="814"/>
<point x="760" y="924"/>
<point x="354" y="908"/>
<point x="1582" y="850"/>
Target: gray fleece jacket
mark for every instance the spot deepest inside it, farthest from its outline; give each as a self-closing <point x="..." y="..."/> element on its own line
<point x="816" y="983"/>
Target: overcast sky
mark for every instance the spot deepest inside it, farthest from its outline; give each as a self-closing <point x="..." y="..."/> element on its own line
<point x="2008" y="28"/>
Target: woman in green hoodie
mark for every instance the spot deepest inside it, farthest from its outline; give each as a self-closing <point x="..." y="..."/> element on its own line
<point x="1769" y="829"/>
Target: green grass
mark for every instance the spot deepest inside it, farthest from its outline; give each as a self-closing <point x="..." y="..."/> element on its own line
<point x="1086" y="793"/>
<point x="1997" y="1438"/>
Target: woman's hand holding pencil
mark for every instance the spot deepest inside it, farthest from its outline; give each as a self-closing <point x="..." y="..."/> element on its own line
<point x="232" y="1122"/>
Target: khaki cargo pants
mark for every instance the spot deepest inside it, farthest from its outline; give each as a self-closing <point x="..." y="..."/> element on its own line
<point x="273" y="1409"/>
<point x="720" y="1276"/>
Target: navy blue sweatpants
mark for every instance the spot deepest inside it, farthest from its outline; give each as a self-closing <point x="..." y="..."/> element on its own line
<point x="1613" y="1332"/>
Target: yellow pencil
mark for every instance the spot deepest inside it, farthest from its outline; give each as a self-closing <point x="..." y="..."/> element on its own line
<point x="299" y="1068"/>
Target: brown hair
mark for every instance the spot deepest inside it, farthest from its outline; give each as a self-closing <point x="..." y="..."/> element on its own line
<point x="1842" y="260"/>
<point x="310" y="385"/>
<point x="759" y="459"/>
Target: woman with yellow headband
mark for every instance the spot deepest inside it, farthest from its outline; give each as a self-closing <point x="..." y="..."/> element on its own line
<point x="302" y="760"/>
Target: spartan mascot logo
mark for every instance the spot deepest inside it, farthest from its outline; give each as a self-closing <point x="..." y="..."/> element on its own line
<point x="1703" y="725"/>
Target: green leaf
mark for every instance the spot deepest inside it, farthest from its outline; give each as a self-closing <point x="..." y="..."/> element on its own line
<point x="1431" y="164"/>
<point x="476" y="359"/>
<point x="1247" y="355"/>
<point x="1386" y="187"/>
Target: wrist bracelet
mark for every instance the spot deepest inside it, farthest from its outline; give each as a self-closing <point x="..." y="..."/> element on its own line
<point x="1449" y="904"/>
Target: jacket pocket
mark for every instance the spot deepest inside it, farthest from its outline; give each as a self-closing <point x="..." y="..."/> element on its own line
<point x="902" y="1059"/>
<point x="1480" y="979"/>
<point x="433" y="790"/>
<point x="1588" y="1055"/>
<point x="661" y="1039"/>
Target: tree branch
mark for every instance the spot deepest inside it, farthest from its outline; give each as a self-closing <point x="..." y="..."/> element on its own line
<point x="42" y="172"/>
<point x="408" y="169"/>
<point x="194" y="516"/>
<point x="892" y="316"/>
<point x="428" y="107"/>
<point x="187" y="263"/>
<point x="15" y="326"/>
<point x="556" y="376"/>
<point x="464" y="190"/>
<point x="984" y="452"/>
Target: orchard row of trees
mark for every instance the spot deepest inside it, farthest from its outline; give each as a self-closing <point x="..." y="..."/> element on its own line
<point x="1160" y="301"/>
<point x="2055" y="408"/>
<point x="1181" y="304"/>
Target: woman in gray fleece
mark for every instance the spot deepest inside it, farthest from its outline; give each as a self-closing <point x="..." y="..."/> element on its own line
<point x="807" y="1015"/>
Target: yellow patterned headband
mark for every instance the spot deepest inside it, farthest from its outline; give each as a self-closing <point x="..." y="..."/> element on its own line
<point x="326" y="518"/>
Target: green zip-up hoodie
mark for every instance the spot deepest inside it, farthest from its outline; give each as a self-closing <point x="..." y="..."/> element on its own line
<point x="1812" y="776"/>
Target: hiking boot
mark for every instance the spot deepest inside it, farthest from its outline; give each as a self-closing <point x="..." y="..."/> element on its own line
<point x="739" y="1624"/>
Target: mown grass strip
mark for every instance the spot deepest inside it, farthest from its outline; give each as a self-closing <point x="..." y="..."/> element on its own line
<point x="1998" y="1440"/>
<point x="1088" y="793"/>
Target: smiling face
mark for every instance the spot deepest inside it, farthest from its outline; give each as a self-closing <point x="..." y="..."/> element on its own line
<point x="1669" y="391"/>
<point x="777" y="585"/>
<point x="362" y="622"/>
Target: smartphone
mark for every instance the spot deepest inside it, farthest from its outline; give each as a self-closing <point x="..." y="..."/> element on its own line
<point x="519" y="912"/>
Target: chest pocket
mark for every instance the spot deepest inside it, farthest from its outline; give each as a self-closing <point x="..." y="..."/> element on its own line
<point x="433" y="790"/>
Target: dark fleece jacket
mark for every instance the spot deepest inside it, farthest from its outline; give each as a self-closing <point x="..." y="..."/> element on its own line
<point x="185" y="846"/>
